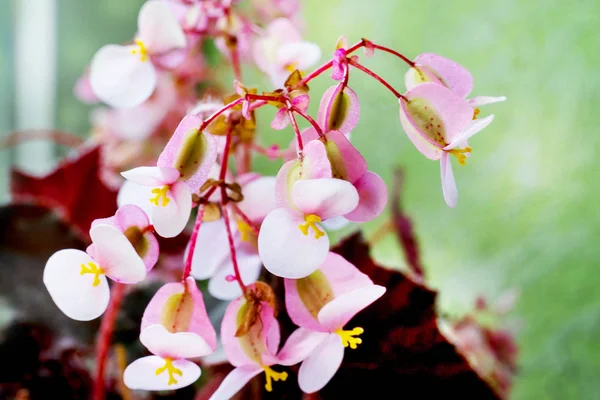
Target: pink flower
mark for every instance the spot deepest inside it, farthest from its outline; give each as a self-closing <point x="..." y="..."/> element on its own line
<point x="322" y="304"/>
<point x="291" y="242"/>
<point x="122" y="249"/>
<point x="181" y="169"/>
<point x="439" y="123"/>
<point x="339" y="109"/>
<point x="175" y="327"/>
<point x="431" y="67"/>
<point x="250" y="352"/>
<point x="124" y="76"/>
<point x="281" y="50"/>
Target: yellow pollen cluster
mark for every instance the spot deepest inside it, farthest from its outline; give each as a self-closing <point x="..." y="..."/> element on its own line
<point x="461" y="154"/>
<point x="171" y="370"/>
<point x="160" y="193"/>
<point x="92" y="268"/>
<point x="311" y="222"/>
<point x="245" y="230"/>
<point x="348" y="338"/>
<point x="291" y="67"/>
<point x="273" y="376"/>
<point x="476" y="112"/>
<point x="141" y="50"/>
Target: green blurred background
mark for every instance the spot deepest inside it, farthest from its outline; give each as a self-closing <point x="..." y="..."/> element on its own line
<point x="527" y="214"/>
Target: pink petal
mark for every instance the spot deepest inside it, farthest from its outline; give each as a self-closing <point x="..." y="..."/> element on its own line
<point x="259" y="198"/>
<point x="450" y="73"/>
<point x="475" y="127"/>
<point x="281" y="119"/>
<point x="73" y="293"/>
<point x="141" y="374"/>
<point x="285" y="250"/>
<point x="152" y="176"/>
<point x="335" y="314"/>
<point x="83" y="90"/>
<point x="297" y="308"/>
<point x="159" y="341"/>
<point x="448" y="184"/>
<point x="339" y="110"/>
<point x="300" y="345"/>
<point x="264" y="48"/>
<point x="119" y="78"/>
<point x="133" y="222"/>
<point x="373" y="197"/>
<point x="318" y="369"/>
<point x="116" y="255"/>
<point x="346" y="162"/>
<point x="235" y="381"/>
<point x="191" y="152"/>
<point x="158" y="27"/>
<point x="326" y="198"/>
<point x="342" y="275"/>
<point x="130" y="215"/>
<point x="211" y="251"/>
<point x="223" y="288"/>
<point x="315" y="164"/>
<point x="288" y="174"/>
<point x="301" y="102"/>
<point x="169" y="221"/>
<point x="485" y="100"/>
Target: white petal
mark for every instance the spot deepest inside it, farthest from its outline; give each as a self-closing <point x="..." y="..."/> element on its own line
<point x="318" y="369"/>
<point x="335" y="223"/>
<point x="120" y="78"/>
<point x="170" y="221"/>
<point x="141" y="374"/>
<point x="485" y="100"/>
<point x="136" y="194"/>
<point x="223" y="289"/>
<point x="301" y="54"/>
<point x="211" y="251"/>
<point x="327" y="198"/>
<point x="117" y="255"/>
<point x="448" y="183"/>
<point x="177" y="345"/>
<point x="235" y="381"/>
<point x="152" y="176"/>
<point x="475" y="127"/>
<point x="72" y="292"/>
<point x="259" y="198"/>
<point x="285" y="250"/>
<point x="335" y="314"/>
<point x="300" y="345"/>
<point x="158" y="28"/>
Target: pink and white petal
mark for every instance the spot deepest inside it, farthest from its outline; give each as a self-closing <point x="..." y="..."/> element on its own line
<point x="116" y="255"/>
<point x="301" y="102"/>
<point x="297" y="309"/>
<point x="452" y="75"/>
<point x="131" y="215"/>
<point x="300" y="345"/>
<point x="141" y="374"/>
<point x="339" y="111"/>
<point x="73" y="293"/>
<point x="335" y="223"/>
<point x="335" y="314"/>
<point x="154" y="309"/>
<point x="259" y="198"/>
<point x="283" y="30"/>
<point x="119" y="78"/>
<point x="151" y="251"/>
<point x="235" y="381"/>
<point x="136" y="194"/>
<point x="318" y="369"/>
<point x="191" y="152"/>
<point x="211" y="251"/>
<point x="83" y="90"/>
<point x="343" y="276"/>
<point x="478" y="101"/>
<point x="285" y="250"/>
<point x="475" y="127"/>
<point x="326" y="198"/>
<point x="448" y="183"/>
<point x="301" y="55"/>
<point x="112" y="221"/>
<point x="159" y="341"/>
<point x="288" y="174"/>
<point x="422" y="142"/>
<point x="152" y="176"/>
<point x="271" y="333"/>
<point x="158" y="28"/>
<point x="315" y="164"/>
<point x="222" y="287"/>
<point x="418" y="75"/>
<point x="281" y="120"/>
<point x="200" y="322"/>
<point x="373" y="197"/>
<point x="346" y="162"/>
<point x="170" y="221"/>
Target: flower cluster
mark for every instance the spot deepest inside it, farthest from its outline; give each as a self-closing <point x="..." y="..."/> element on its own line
<point x="243" y="220"/>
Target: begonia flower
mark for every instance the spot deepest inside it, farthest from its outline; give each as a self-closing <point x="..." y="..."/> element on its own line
<point x="281" y="51"/>
<point x="181" y="169"/>
<point x="439" y="123"/>
<point x="321" y="304"/>
<point x="339" y="109"/>
<point x="291" y="243"/>
<point x="124" y="76"/>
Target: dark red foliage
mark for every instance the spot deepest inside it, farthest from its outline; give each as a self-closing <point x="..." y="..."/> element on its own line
<point x="74" y="190"/>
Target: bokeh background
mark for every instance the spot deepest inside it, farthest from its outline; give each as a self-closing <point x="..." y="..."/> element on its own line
<point x="527" y="215"/>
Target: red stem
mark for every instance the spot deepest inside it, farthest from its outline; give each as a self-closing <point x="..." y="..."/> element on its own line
<point x="376" y="77"/>
<point x="103" y="340"/>
<point x="219" y="112"/>
<point x="187" y="269"/>
<point x="309" y="119"/>
<point x="394" y="52"/>
<point x="299" y="143"/>
<point x="235" y="63"/>
<point x="244" y="217"/>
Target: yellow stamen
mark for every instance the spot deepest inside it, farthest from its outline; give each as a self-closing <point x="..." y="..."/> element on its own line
<point x="461" y="154"/>
<point x="245" y="230"/>
<point x="171" y="370"/>
<point x="291" y="67"/>
<point x="348" y="338"/>
<point x="476" y="112"/>
<point x="275" y="376"/>
<point x="160" y="193"/>
<point x="92" y="268"/>
<point x="311" y="222"/>
<point x="141" y="50"/>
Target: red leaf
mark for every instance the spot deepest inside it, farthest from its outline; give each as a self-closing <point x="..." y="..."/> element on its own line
<point x="73" y="190"/>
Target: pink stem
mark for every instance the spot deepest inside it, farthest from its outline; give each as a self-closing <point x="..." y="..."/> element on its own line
<point x="299" y="143"/>
<point x="104" y="338"/>
<point x="309" y="119"/>
<point x="235" y="62"/>
<point x="219" y="112"/>
<point x="394" y="52"/>
<point x="187" y="269"/>
<point x="243" y="216"/>
<point x="376" y="77"/>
